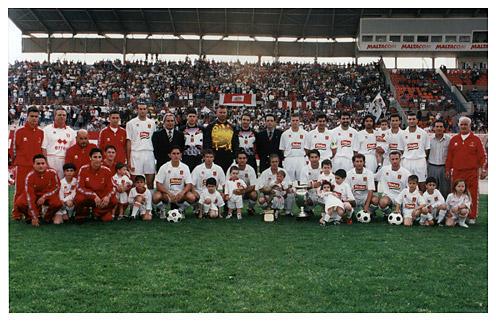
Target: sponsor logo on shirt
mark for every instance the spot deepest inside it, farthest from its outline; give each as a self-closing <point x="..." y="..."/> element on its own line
<point x="412" y="146"/>
<point x="359" y="187"/>
<point x="320" y="146"/>
<point x="346" y="143"/>
<point x="144" y="135"/>
<point x="393" y="185"/>
<point x="296" y="145"/>
<point x="371" y="146"/>
<point x="410" y="206"/>
<point x="176" y="181"/>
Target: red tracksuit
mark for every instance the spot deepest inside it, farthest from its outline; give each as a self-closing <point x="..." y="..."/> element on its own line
<point x="24" y="145"/>
<point x="80" y="157"/>
<point x="117" y="139"/>
<point x="38" y="185"/>
<point x="465" y="157"/>
<point x="90" y="184"/>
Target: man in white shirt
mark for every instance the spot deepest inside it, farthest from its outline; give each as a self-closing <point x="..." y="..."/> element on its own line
<point x="204" y="171"/>
<point x="248" y="175"/>
<point x="344" y="144"/>
<point x="393" y="179"/>
<point x="416" y="150"/>
<point x="310" y="177"/>
<point x="367" y="142"/>
<point x="174" y="184"/>
<point x="270" y="175"/>
<point x="361" y="181"/>
<point x="320" y="138"/>
<point x="139" y="147"/>
<point x="57" y="139"/>
<point x="292" y="145"/>
<point x="393" y="137"/>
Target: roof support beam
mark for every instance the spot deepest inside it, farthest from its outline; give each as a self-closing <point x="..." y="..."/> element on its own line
<point x="123" y="30"/>
<point x="279" y="23"/>
<point x="172" y="23"/>
<point x="331" y="33"/>
<point x="93" y="22"/>
<point x="252" y="22"/>
<point x="418" y="12"/>
<point x="476" y="13"/>
<point x="225" y="23"/>
<point x="199" y="25"/>
<point x="146" y="23"/>
<point x="303" y="30"/>
<point x="39" y="20"/>
<point x="66" y="22"/>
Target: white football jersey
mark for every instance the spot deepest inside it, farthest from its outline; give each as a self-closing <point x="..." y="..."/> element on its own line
<point x="452" y="200"/>
<point x="57" y="141"/>
<point x="382" y="133"/>
<point x="172" y="178"/>
<point x="345" y="141"/>
<point x="216" y="198"/>
<point x="415" y="143"/>
<point x="248" y="175"/>
<point x="140" y="134"/>
<point x="232" y="184"/>
<point x="367" y="142"/>
<point x="146" y="194"/>
<point x="392" y="182"/>
<point x="323" y="177"/>
<point x="201" y="173"/>
<point x="121" y="180"/>
<point x="394" y="141"/>
<point x="321" y="142"/>
<point x="343" y="190"/>
<point x="360" y="184"/>
<point x="435" y="199"/>
<point x="67" y="190"/>
<point x="409" y="200"/>
<point x="309" y="174"/>
<point x="293" y="143"/>
<point x="267" y="177"/>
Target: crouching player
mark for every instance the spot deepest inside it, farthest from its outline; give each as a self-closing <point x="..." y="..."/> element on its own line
<point x="41" y="188"/>
<point x="140" y="199"/>
<point x="412" y="203"/>
<point x="333" y="206"/>
<point x="343" y="190"/>
<point x="211" y="200"/>
<point x="95" y="189"/>
<point x="67" y="192"/>
<point x="458" y="204"/>
<point x="435" y="202"/>
<point x="234" y="190"/>
<point x="122" y="184"/>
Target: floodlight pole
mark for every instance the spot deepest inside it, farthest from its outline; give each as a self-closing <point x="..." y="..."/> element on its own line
<point x="124" y="46"/>
<point x="48" y="46"/>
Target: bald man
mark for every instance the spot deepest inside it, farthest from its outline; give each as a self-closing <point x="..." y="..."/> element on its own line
<point x="79" y="153"/>
<point x="466" y="158"/>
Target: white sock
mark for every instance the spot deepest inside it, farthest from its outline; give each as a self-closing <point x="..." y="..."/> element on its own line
<point x="441" y="215"/>
<point x="70" y="210"/>
<point x="349" y="214"/>
<point x="461" y="220"/>
<point x="372" y="208"/>
<point x="386" y="210"/>
<point x="161" y="206"/>
<point x="136" y="207"/>
<point x="327" y="217"/>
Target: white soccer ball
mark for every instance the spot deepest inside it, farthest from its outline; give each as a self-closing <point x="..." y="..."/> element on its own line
<point x="174" y="216"/>
<point x="363" y="217"/>
<point x="395" y="219"/>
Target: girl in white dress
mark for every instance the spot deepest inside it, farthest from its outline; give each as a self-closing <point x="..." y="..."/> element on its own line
<point x="458" y="204"/>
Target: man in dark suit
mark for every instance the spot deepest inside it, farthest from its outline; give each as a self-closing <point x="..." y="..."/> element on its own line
<point x="268" y="142"/>
<point x="164" y="139"/>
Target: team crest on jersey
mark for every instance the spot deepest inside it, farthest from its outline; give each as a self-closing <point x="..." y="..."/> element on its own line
<point x="327" y="138"/>
<point x="301" y="136"/>
<point x="365" y="179"/>
<point x="246" y="175"/>
<point x="68" y="135"/>
<point x="472" y="144"/>
<point x="215" y="173"/>
<point x="399" y="176"/>
<point x="181" y="172"/>
<point x="418" y="136"/>
<point x="414" y="199"/>
<point x="149" y="125"/>
<point x="436" y="199"/>
<point x="351" y="135"/>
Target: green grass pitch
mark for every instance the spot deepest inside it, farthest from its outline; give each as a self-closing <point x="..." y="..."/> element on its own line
<point x="247" y="266"/>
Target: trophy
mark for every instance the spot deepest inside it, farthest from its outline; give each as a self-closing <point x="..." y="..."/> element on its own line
<point x="268" y="212"/>
<point x="301" y="197"/>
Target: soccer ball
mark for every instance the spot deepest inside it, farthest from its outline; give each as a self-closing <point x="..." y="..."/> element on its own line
<point x="395" y="219"/>
<point x="363" y="217"/>
<point x="174" y="216"/>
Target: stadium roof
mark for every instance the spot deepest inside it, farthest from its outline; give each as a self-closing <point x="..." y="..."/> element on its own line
<point x="254" y="22"/>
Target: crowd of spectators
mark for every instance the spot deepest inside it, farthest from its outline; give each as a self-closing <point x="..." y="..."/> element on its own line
<point x="174" y="86"/>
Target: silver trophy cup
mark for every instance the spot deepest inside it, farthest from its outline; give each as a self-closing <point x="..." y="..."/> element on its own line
<point x="301" y="197"/>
